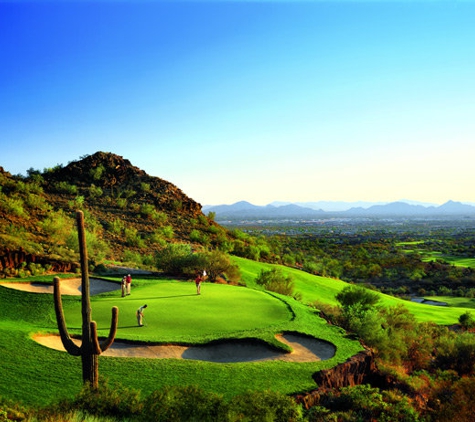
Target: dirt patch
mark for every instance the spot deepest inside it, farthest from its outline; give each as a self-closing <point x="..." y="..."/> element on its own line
<point x="71" y="286"/>
<point x="305" y="349"/>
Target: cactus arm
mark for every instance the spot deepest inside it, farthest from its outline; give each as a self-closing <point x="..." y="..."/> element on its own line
<point x="96" y="348"/>
<point x="68" y="344"/>
<point x="113" y="330"/>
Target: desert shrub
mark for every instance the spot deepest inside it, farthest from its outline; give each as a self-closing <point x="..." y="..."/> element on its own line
<point x="109" y="401"/>
<point x="173" y="258"/>
<point x="145" y="187"/>
<point x="217" y="265"/>
<point x="200" y="237"/>
<point x="166" y="231"/>
<point x="276" y="281"/>
<point x="132" y="257"/>
<point x="147" y="210"/>
<point x="356" y="299"/>
<point x="13" y="205"/>
<point x="35" y="176"/>
<point x="65" y="187"/>
<point x="174" y="403"/>
<point x="37" y="202"/>
<point x="98" y="249"/>
<point x="159" y="217"/>
<point x="133" y="238"/>
<point x="95" y="191"/>
<point x="77" y="203"/>
<point x="122" y="203"/>
<point x="161" y="234"/>
<point x="456" y="352"/>
<point x="127" y="193"/>
<point x="116" y="226"/>
<point x="97" y="172"/>
<point x="58" y="226"/>
<point x="467" y="321"/>
<point x="455" y="401"/>
<point x="177" y="205"/>
<point x="203" y="220"/>
<point x="268" y="406"/>
<point x="10" y="411"/>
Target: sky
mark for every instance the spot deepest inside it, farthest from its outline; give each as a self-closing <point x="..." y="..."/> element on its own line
<point x="261" y="101"/>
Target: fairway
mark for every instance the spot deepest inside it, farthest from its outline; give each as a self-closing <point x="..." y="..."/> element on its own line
<point x="175" y="313"/>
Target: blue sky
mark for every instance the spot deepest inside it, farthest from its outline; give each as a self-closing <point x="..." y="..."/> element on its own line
<point x="258" y="101"/>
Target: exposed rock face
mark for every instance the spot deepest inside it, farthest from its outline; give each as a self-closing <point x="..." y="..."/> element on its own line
<point x="10" y="260"/>
<point x="116" y="175"/>
<point x="359" y="369"/>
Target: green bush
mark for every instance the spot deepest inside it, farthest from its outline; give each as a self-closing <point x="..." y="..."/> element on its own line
<point x="174" y="258"/>
<point x="186" y="404"/>
<point x="58" y="226"/>
<point x="275" y="280"/>
<point x="133" y="238"/>
<point x="97" y="172"/>
<point x="95" y="191"/>
<point x="65" y="187"/>
<point x="12" y="205"/>
<point x="122" y="203"/>
<point x="264" y="406"/>
<point x="109" y="401"/>
<point x="145" y="187"/>
<point x="116" y="226"/>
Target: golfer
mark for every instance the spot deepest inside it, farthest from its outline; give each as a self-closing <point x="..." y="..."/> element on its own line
<point x="140" y="315"/>
<point x="128" y="281"/>
<point x="198" y="281"/>
<point x="123" y="284"/>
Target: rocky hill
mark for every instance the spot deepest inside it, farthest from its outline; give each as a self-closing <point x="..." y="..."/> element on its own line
<point x="126" y="210"/>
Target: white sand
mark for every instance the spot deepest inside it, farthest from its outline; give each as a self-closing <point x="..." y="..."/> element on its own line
<point x="305" y="349"/>
<point x="70" y="286"/>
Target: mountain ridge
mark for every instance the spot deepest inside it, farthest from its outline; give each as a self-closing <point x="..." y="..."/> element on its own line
<point x="244" y="209"/>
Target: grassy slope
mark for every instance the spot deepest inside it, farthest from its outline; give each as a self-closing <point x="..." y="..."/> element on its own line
<point x="322" y="289"/>
<point x="38" y="375"/>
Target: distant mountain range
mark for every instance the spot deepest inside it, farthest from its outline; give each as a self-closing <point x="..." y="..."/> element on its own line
<point x="322" y="209"/>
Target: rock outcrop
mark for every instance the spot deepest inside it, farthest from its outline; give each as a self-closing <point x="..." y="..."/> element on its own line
<point x="14" y="259"/>
<point x="359" y="369"/>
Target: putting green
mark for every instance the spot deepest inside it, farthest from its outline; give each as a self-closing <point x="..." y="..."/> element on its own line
<point x="175" y="313"/>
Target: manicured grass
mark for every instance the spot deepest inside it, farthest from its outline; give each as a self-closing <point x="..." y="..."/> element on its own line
<point x="314" y="288"/>
<point x="175" y="313"/>
<point x="458" y="302"/>
<point x="429" y="256"/>
<point x="38" y="375"/>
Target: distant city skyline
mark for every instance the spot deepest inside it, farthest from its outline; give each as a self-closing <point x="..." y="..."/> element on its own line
<point x="263" y="101"/>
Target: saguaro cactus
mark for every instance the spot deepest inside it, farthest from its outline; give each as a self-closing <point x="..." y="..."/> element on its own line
<point x="90" y="348"/>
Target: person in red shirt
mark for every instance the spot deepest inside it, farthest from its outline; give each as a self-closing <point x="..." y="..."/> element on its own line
<point x="128" y="281"/>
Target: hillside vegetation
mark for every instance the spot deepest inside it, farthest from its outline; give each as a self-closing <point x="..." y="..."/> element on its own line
<point x="129" y="216"/>
<point x="405" y="361"/>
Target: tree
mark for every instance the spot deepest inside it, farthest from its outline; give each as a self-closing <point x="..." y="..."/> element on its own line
<point x="467" y="321"/>
<point x="276" y="281"/>
<point x="357" y="297"/>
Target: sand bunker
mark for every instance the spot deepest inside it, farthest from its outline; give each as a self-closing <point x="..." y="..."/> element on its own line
<point x="71" y="286"/>
<point x="305" y="349"/>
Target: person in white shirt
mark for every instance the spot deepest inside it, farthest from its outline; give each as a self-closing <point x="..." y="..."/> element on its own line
<point x="140" y="315"/>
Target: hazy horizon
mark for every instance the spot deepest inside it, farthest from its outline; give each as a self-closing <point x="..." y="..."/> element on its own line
<point x="257" y="101"/>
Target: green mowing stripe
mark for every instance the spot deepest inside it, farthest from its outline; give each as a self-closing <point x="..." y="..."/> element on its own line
<point x="40" y="375"/>
<point x="314" y="288"/>
<point x="175" y="313"/>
